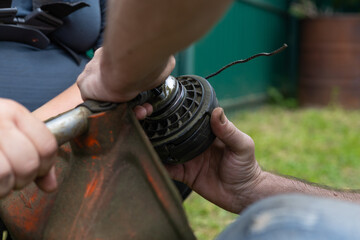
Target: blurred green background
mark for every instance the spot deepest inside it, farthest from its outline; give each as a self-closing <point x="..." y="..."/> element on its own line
<point x="249" y="27"/>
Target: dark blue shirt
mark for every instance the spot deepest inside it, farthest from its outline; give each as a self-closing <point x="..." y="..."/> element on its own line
<point x="33" y="76"/>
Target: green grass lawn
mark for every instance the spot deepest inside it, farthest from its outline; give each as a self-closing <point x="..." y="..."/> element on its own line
<point x="318" y="145"/>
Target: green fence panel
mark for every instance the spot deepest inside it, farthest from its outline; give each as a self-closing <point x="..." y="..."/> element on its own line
<point x="249" y="27"/>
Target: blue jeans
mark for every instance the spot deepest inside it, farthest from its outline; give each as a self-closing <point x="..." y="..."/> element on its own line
<point x="295" y="217"/>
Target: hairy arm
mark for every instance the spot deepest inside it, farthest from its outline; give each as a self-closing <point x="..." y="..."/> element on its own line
<point x="272" y="184"/>
<point x="140" y="38"/>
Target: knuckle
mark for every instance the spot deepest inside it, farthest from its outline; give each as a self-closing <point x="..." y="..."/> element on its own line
<point x="249" y="142"/>
<point x="26" y="173"/>
<point x="9" y="102"/>
<point x="10" y="107"/>
<point x="7" y="181"/>
<point x="48" y="149"/>
<point x="80" y="77"/>
<point x="98" y="51"/>
<point x="6" y="176"/>
<point x="172" y="62"/>
<point x="29" y="168"/>
<point x="87" y="70"/>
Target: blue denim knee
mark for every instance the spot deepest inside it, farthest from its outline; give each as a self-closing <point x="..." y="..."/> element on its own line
<point x="296" y="217"/>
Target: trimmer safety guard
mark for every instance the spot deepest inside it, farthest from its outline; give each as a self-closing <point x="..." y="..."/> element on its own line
<point x="112" y="185"/>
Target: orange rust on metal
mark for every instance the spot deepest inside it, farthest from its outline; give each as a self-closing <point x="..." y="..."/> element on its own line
<point x="92" y="185"/>
<point x="66" y="148"/>
<point x="156" y="189"/>
<point x="25" y="212"/>
<point x="101" y="114"/>
<point x="92" y="142"/>
<point x="111" y="186"/>
<point x="27" y="202"/>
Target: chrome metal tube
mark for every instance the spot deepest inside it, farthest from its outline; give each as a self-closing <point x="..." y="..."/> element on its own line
<point x="69" y="125"/>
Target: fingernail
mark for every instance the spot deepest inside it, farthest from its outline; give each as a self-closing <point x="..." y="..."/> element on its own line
<point x="222" y="117"/>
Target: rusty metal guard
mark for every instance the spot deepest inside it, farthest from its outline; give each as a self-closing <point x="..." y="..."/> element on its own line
<point x="111" y="186"/>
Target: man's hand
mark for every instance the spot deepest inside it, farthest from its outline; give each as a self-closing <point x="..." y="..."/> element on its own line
<point x="98" y="82"/>
<point x="227" y="171"/>
<point x="228" y="175"/>
<point x="26" y="150"/>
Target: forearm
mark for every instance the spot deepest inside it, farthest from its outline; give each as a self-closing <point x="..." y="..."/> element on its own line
<point x="270" y="184"/>
<point x="141" y="35"/>
<point x="65" y="101"/>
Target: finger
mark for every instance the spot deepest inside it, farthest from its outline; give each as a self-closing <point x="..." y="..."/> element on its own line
<point x="7" y="178"/>
<point x="20" y="154"/>
<point x="140" y="112"/>
<point x="48" y="183"/>
<point x="41" y="138"/>
<point x="226" y="131"/>
<point x="149" y="108"/>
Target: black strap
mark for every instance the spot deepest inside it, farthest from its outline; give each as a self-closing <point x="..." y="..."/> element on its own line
<point x="5" y="3"/>
<point x="23" y="34"/>
<point x="61" y="10"/>
<point x="37" y="27"/>
<point x="7" y="15"/>
<point x="73" y="54"/>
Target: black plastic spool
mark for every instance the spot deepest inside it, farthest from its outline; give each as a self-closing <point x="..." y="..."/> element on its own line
<point x="181" y="130"/>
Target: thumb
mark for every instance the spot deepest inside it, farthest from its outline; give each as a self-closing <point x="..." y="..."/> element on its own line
<point x="226" y="131"/>
<point x="48" y="183"/>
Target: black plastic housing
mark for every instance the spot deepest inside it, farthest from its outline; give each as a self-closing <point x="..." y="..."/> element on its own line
<point x="181" y="130"/>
